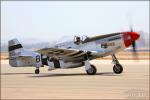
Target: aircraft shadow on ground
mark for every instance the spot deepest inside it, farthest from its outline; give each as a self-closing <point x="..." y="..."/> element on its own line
<point x="61" y="74"/>
<point x="73" y="74"/>
<point x="15" y="73"/>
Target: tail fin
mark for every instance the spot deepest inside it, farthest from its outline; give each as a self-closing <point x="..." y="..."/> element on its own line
<point x="14" y="45"/>
<point x="14" y="48"/>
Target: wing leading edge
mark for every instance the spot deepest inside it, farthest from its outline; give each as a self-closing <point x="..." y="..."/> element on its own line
<point x="71" y="55"/>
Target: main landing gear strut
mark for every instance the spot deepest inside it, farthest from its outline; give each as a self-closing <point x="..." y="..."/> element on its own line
<point x="90" y="69"/>
<point x="118" y="69"/>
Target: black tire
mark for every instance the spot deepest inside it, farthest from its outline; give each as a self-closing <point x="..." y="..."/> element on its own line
<point x="37" y="71"/>
<point x="92" y="70"/>
<point x="118" y="69"/>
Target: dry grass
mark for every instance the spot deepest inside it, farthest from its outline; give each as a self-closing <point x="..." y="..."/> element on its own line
<point x="4" y="55"/>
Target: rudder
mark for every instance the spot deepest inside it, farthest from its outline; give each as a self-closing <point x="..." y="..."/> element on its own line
<point x="14" y="49"/>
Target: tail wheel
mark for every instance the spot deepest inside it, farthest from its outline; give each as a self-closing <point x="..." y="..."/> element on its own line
<point x="92" y="70"/>
<point x="118" y="69"/>
<point x="37" y="71"/>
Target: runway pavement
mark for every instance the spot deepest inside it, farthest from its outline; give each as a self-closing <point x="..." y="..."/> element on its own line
<point x="22" y="83"/>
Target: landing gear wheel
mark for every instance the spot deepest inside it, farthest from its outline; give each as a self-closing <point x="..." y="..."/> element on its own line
<point x="37" y="71"/>
<point x="118" y="69"/>
<point x="92" y="70"/>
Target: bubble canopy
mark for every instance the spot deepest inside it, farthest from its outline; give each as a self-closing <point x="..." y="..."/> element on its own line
<point x="71" y="38"/>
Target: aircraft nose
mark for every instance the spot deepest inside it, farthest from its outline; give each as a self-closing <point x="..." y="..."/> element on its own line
<point x="130" y="37"/>
<point x="134" y="36"/>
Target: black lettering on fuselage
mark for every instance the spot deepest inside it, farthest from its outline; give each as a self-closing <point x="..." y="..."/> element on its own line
<point x="38" y="58"/>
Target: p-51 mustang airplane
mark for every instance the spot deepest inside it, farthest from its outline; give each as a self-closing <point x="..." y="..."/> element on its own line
<point x="75" y="53"/>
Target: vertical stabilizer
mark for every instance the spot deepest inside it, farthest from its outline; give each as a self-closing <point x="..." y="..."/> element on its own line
<point x="14" y="49"/>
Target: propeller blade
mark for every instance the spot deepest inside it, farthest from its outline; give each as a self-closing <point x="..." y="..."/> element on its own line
<point x="134" y="46"/>
<point x="131" y="28"/>
<point x="134" y="53"/>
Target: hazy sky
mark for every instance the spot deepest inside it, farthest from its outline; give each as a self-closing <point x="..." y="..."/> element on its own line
<point x="51" y="20"/>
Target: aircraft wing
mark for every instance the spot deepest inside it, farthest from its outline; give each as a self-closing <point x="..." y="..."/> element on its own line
<point x="72" y="55"/>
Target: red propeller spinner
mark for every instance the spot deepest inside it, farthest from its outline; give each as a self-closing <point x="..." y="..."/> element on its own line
<point x="130" y="37"/>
